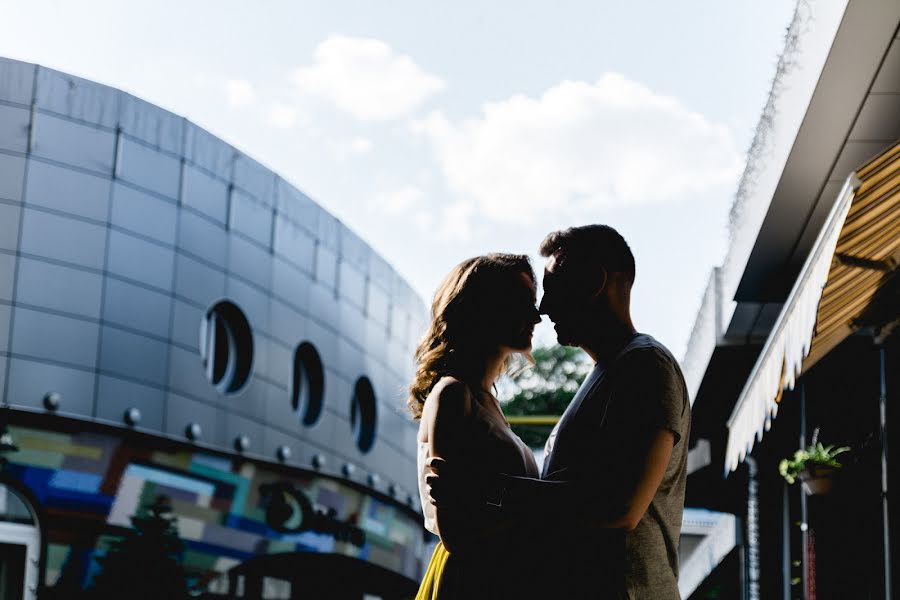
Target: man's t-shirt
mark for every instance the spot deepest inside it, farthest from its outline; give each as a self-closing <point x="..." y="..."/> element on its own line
<point x="601" y="438"/>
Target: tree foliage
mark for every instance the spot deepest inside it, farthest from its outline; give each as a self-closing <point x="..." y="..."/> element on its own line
<point x="545" y="388"/>
<point x="146" y="563"/>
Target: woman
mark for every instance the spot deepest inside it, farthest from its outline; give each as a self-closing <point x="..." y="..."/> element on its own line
<point x="482" y="313"/>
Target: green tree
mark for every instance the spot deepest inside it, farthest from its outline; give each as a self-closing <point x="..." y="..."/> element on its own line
<point x="545" y="388"/>
<point x="146" y="563"/>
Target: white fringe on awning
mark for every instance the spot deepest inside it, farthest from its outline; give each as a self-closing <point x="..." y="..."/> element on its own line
<point x="781" y="359"/>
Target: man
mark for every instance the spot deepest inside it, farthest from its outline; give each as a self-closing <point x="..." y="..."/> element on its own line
<point x="607" y="510"/>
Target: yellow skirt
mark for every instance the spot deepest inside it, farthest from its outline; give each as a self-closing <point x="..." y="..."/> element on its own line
<point x="431" y="581"/>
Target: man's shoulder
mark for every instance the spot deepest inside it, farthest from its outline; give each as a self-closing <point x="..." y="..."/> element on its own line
<point x="644" y="349"/>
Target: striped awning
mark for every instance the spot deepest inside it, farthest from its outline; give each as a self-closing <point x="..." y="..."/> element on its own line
<point x="855" y="255"/>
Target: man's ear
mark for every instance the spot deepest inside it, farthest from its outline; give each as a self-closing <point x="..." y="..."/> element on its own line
<point x="603" y="277"/>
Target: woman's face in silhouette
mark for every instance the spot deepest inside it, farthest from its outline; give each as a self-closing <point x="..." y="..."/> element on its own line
<point x="517" y="314"/>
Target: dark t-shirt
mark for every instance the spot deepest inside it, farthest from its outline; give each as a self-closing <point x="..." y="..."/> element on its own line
<point x="602" y="438"/>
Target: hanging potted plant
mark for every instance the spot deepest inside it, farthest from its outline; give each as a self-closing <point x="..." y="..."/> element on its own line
<point x="814" y="465"/>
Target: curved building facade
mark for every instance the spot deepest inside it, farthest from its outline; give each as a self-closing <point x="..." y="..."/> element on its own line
<point x="176" y="319"/>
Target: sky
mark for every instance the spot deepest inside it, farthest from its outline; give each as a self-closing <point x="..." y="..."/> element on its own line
<point x="442" y="130"/>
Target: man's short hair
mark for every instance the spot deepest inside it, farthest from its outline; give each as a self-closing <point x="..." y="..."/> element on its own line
<point x="597" y="244"/>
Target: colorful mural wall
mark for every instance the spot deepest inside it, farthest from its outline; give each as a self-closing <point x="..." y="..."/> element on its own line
<point x="89" y="484"/>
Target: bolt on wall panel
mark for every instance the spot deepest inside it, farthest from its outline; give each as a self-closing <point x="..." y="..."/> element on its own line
<point x="60" y="288"/>
<point x="133" y="355"/>
<point x="62" y="238"/>
<point x="140" y="260"/>
<point x="115" y="396"/>
<point x="77" y="98"/>
<point x="150" y="124"/>
<point x="14" y="122"/>
<point x="67" y="190"/>
<point x="12" y="175"/>
<point x="182" y="411"/>
<point x="72" y="143"/>
<point x="16" y="81"/>
<point x="143" y="213"/>
<point x="9" y="226"/>
<point x="204" y="193"/>
<point x="55" y="338"/>
<point x="29" y="381"/>
<point x="136" y="307"/>
<point x="148" y="168"/>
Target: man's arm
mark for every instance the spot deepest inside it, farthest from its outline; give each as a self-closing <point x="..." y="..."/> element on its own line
<point x="583" y="502"/>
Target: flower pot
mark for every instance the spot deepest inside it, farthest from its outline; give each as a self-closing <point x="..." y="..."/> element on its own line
<point x="817" y="479"/>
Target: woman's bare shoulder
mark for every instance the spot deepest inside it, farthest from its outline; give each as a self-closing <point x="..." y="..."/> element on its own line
<point x="449" y="396"/>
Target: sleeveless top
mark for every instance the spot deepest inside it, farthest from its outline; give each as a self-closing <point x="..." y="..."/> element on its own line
<point x="491" y="447"/>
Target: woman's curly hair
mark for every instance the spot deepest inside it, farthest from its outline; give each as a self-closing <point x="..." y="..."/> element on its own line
<point x="459" y="338"/>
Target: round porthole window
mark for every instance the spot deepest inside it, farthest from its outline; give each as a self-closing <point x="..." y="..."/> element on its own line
<point x="308" y="384"/>
<point x="226" y="346"/>
<point x="363" y="414"/>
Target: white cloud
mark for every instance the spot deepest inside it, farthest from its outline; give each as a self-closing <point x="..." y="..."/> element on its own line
<point x="399" y="201"/>
<point x="283" y="116"/>
<point x="366" y="78"/>
<point x="239" y="92"/>
<point x="360" y="145"/>
<point x="579" y="148"/>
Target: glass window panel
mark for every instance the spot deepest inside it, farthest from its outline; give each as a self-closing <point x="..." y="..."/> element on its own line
<point x="150" y="123"/>
<point x="143" y="213"/>
<point x="12" y="174"/>
<point x="254" y="178"/>
<point x="294" y="244"/>
<point x="30" y="381"/>
<point x="72" y="143"/>
<point x="251" y="217"/>
<point x="65" y="289"/>
<point x="136" y="307"/>
<point x="76" y="97"/>
<point x="16" y="81"/>
<point x="140" y="260"/>
<point x="67" y="190"/>
<point x="115" y="396"/>
<point x="249" y="261"/>
<point x="7" y="275"/>
<point x="14" y="128"/>
<point x="133" y="355"/>
<point x="202" y="238"/>
<point x="63" y="239"/>
<point x="148" y="168"/>
<point x="9" y="226"/>
<point x="205" y="193"/>
<point x="197" y="281"/>
<point x="63" y="339"/>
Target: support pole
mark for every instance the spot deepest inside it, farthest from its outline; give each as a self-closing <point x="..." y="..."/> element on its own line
<point x="804" y="515"/>
<point x="882" y="403"/>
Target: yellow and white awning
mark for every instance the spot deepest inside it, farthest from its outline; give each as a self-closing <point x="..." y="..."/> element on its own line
<point x="856" y="252"/>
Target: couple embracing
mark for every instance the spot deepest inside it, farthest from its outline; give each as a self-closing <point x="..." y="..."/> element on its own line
<point x="602" y="519"/>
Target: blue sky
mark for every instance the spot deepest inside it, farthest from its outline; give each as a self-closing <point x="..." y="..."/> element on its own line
<point x="443" y="130"/>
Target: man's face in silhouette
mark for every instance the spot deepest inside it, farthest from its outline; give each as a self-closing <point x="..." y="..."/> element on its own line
<point x="574" y="298"/>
